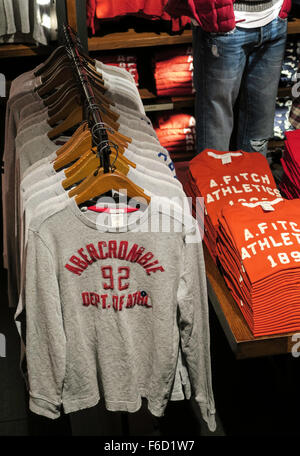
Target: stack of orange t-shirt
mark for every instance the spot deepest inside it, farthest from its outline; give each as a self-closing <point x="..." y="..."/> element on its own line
<point x="290" y="183"/>
<point x="176" y="133"/>
<point x="259" y="251"/>
<point x="173" y="71"/>
<point x="224" y="179"/>
<point x="128" y="62"/>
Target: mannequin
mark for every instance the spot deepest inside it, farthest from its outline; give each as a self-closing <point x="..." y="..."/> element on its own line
<point x="238" y="51"/>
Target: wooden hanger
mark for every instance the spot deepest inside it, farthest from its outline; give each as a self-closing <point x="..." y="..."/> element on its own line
<point x="64" y="98"/>
<point x="70" y="143"/>
<point x="52" y="99"/>
<point x="95" y="76"/>
<point x="69" y="92"/>
<point x="73" y="101"/>
<point x="57" y="100"/>
<point x="89" y="163"/>
<point x="92" y="68"/>
<point x="101" y="97"/>
<point x="108" y="120"/>
<point x="64" y="73"/>
<point x="105" y="105"/>
<point x="111" y="181"/>
<point x="73" y="119"/>
<point x="62" y="60"/>
<point x="76" y="148"/>
<point x="86" y="57"/>
<point x="60" y="50"/>
<point x="82" y="186"/>
<point x="82" y="144"/>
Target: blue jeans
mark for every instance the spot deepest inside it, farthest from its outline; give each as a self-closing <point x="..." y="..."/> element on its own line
<point x="242" y="66"/>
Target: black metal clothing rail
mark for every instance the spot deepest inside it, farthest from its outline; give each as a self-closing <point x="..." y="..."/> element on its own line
<point x="98" y="130"/>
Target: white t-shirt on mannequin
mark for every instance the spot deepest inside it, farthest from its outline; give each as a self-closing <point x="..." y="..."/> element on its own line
<point x="253" y="19"/>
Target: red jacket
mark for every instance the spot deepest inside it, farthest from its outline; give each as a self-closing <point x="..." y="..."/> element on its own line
<point x="212" y="15"/>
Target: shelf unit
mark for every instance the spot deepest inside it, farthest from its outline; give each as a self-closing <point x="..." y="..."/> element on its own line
<point x="23" y="50"/>
<point x="153" y="103"/>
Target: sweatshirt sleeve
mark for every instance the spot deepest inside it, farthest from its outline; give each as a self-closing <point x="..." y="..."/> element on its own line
<point x="194" y="326"/>
<point x="45" y="337"/>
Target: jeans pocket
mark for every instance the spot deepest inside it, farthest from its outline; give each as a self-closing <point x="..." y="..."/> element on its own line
<point x="283" y="21"/>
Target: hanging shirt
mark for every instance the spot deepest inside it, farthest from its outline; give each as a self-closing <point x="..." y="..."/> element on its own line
<point x="138" y="306"/>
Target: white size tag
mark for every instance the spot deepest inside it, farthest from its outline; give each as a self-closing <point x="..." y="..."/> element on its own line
<point x="119" y="210"/>
<point x="226" y="159"/>
<point x="117" y="220"/>
<point x="223" y="157"/>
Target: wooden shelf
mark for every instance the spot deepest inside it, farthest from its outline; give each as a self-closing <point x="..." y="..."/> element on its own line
<point x="284" y="92"/>
<point x="154" y="103"/>
<point x="294" y="26"/>
<point x="132" y="39"/>
<point x="237" y="332"/>
<point x="23" y="50"/>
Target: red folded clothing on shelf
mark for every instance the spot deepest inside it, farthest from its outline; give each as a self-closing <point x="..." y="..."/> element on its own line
<point x="174" y="67"/>
<point x="128" y="62"/>
<point x="173" y="53"/>
<point x="180" y="121"/>
<point x="176" y="133"/>
<point x="173" y="71"/>
<point x="290" y="184"/>
<point x="176" y="92"/>
<point x="152" y="10"/>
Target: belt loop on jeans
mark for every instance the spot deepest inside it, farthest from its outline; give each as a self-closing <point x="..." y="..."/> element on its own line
<point x="261" y="32"/>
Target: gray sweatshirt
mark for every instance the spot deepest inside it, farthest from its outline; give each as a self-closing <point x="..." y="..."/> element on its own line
<point x="106" y="306"/>
<point x="48" y="201"/>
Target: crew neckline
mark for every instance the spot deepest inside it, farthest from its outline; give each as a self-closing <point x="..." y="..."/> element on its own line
<point x="236" y="159"/>
<point x="149" y="210"/>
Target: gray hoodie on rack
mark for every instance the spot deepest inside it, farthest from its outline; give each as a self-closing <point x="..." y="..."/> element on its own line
<point x="108" y="302"/>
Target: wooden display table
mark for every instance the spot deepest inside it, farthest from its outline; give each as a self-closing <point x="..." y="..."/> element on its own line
<point x="237" y="332"/>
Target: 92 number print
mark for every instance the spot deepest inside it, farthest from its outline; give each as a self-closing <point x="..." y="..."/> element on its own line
<point x="123" y="274"/>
